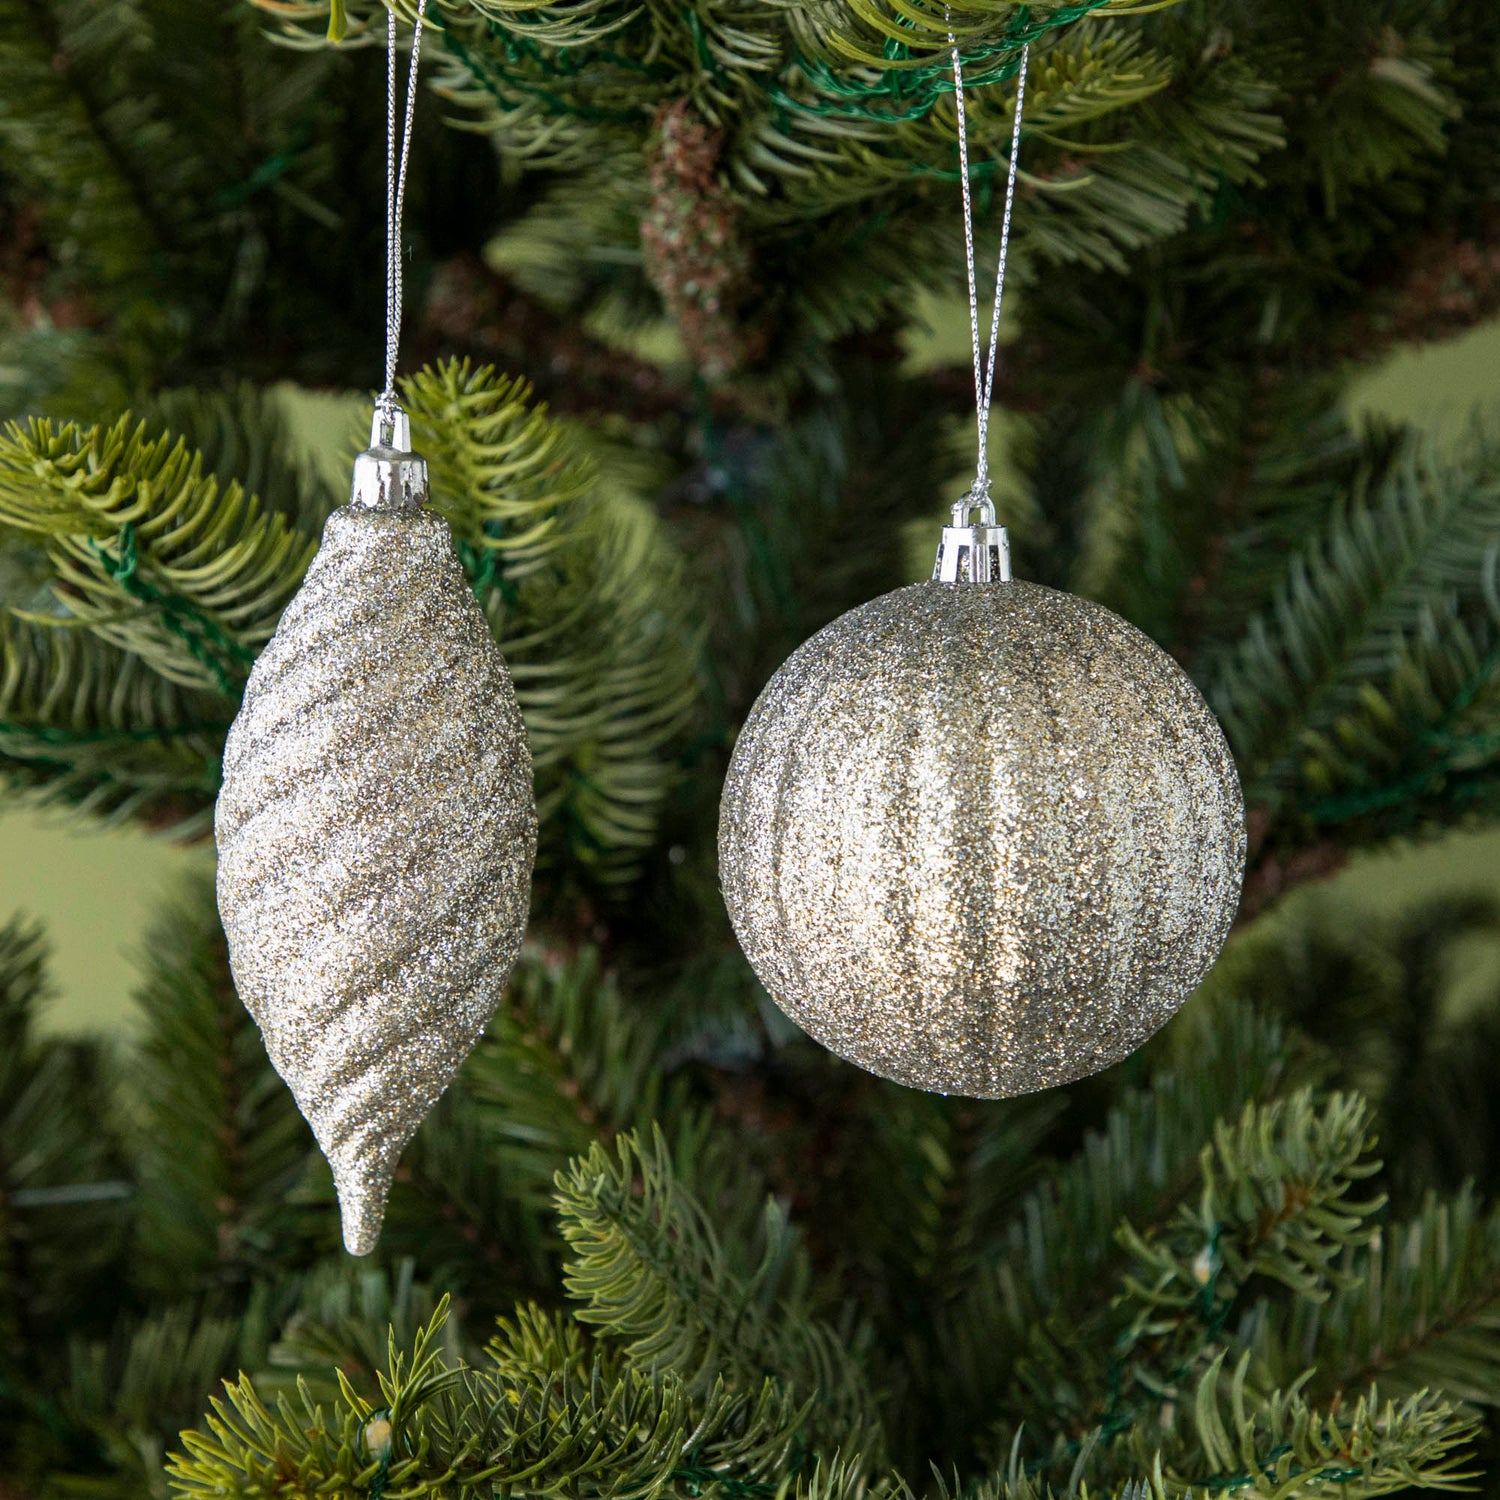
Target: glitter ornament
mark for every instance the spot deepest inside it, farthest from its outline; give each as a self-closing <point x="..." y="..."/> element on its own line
<point x="979" y="836"/>
<point x="376" y="824"/>
<point x="376" y="829"/>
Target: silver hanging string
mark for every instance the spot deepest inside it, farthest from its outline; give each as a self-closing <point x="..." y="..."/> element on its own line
<point x="395" y="194"/>
<point x="984" y="368"/>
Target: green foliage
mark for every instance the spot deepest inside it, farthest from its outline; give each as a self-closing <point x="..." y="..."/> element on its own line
<point x="1371" y="1447"/>
<point x="687" y="1253"/>
<point x="146" y="551"/>
<point x="1378" y="996"/>
<point x="144" y="582"/>
<point x="568" y="1060"/>
<point x="504" y="471"/>
<point x="1419" y="1309"/>
<point x="826" y="133"/>
<point x="218" y="1144"/>
<point x="666" y="1329"/>
<point x="1276" y="1187"/>
<point x="244" y="437"/>
<point x="88" y="724"/>
<point x="139" y="589"/>
<point x="59" y="1220"/>
<point x="194" y="194"/>
<point x="541" y="1415"/>
<point x="127" y="1395"/>
<point x="647" y="1268"/>
<point x="1366" y="690"/>
<point x="681" y="1344"/>
<point x="585" y="596"/>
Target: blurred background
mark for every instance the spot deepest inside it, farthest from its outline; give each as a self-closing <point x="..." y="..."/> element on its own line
<point x="687" y="347"/>
<point x="95" y="889"/>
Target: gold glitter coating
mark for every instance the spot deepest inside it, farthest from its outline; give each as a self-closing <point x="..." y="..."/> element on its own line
<point x="981" y="838"/>
<point x="376" y="832"/>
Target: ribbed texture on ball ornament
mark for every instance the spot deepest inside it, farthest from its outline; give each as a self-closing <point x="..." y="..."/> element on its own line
<point x="981" y="839"/>
<point x="376" y="832"/>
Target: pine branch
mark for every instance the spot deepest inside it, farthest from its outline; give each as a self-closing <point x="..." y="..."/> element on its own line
<point x="1420" y="1310"/>
<point x="172" y="159"/>
<point x="146" y="551"/>
<point x="585" y="595"/>
<point x="1292" y="475"/>
<point x="172" y="579"/>
<point x="822" y="168"/>
<point x="65" y="64"/>
<point x="647" y="1268"/>
<point x="502" y="471"/>
<point x="244" y="438"/>
<point x="63" y="1205"/>
<point x="340" y="1329"/>
<point x="583" y="592"/>
<point x="60" y="1179"/>
<point x="916" y="1219"/>
<point x="583" y="1425"/>
<point x="607" y="676"/>
<point x="1274" y="1202"/>
<point x="218" y="1143"/>
<point x="1282" y="1445"/>
<point x="130" y="1396"/>
<point x="1354" y="673"/>
<point x="863" y="31"/>
<point x="1054" y="1269"/>
<point x="247" y="1443"/>
<point x="949" y="1175"/>
<point x="569" y="1060"/>
<point x="87" y="724"/>
<point x="1059" y="1251"/>
<point x="457" y="1208"/>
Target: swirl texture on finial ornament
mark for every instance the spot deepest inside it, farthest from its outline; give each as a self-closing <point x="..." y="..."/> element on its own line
<point x="376" y="833"/>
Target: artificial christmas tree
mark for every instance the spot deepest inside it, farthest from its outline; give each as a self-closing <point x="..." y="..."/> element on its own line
<point x="720" y="1261"/>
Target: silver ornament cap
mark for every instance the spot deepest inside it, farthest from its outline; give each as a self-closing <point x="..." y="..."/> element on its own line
<point x="388" y="475"/>
<point x="376" y="829"/>
<point x="981" y="837"/>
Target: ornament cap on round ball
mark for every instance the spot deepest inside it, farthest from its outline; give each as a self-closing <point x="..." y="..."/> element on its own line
<point x="973" y="550"/>
<point x="981" y="838"/>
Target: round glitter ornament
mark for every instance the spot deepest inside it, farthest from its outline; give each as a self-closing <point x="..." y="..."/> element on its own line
<point x="376" y="829"/>
<point x="979" y="836"/>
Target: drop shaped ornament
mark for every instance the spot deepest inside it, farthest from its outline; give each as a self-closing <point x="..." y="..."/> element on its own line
<point x="376" y="828"/>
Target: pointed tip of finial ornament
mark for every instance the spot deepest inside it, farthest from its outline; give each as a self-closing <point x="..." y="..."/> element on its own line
<point x="362" y="1199"/>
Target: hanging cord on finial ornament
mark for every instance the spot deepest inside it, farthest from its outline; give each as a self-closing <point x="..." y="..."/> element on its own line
<point x="984" y="369"/>
<point x="395" y="197"/>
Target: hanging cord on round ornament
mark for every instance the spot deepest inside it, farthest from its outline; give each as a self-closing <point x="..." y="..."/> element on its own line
<point x="388" y="475"/>
<point x="979" y="552"/>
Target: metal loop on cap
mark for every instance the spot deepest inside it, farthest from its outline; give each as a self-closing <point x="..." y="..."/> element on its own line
<point x="963" y="510"/>
<point x="390" y="427"/>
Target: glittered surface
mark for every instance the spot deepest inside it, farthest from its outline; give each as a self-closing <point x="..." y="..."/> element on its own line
<point x="981" y="838"/>
<point x="376" y="833"/>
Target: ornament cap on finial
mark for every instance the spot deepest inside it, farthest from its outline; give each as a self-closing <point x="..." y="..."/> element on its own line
<point x="388" y="475"/>
<point x="973" y="550"/>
